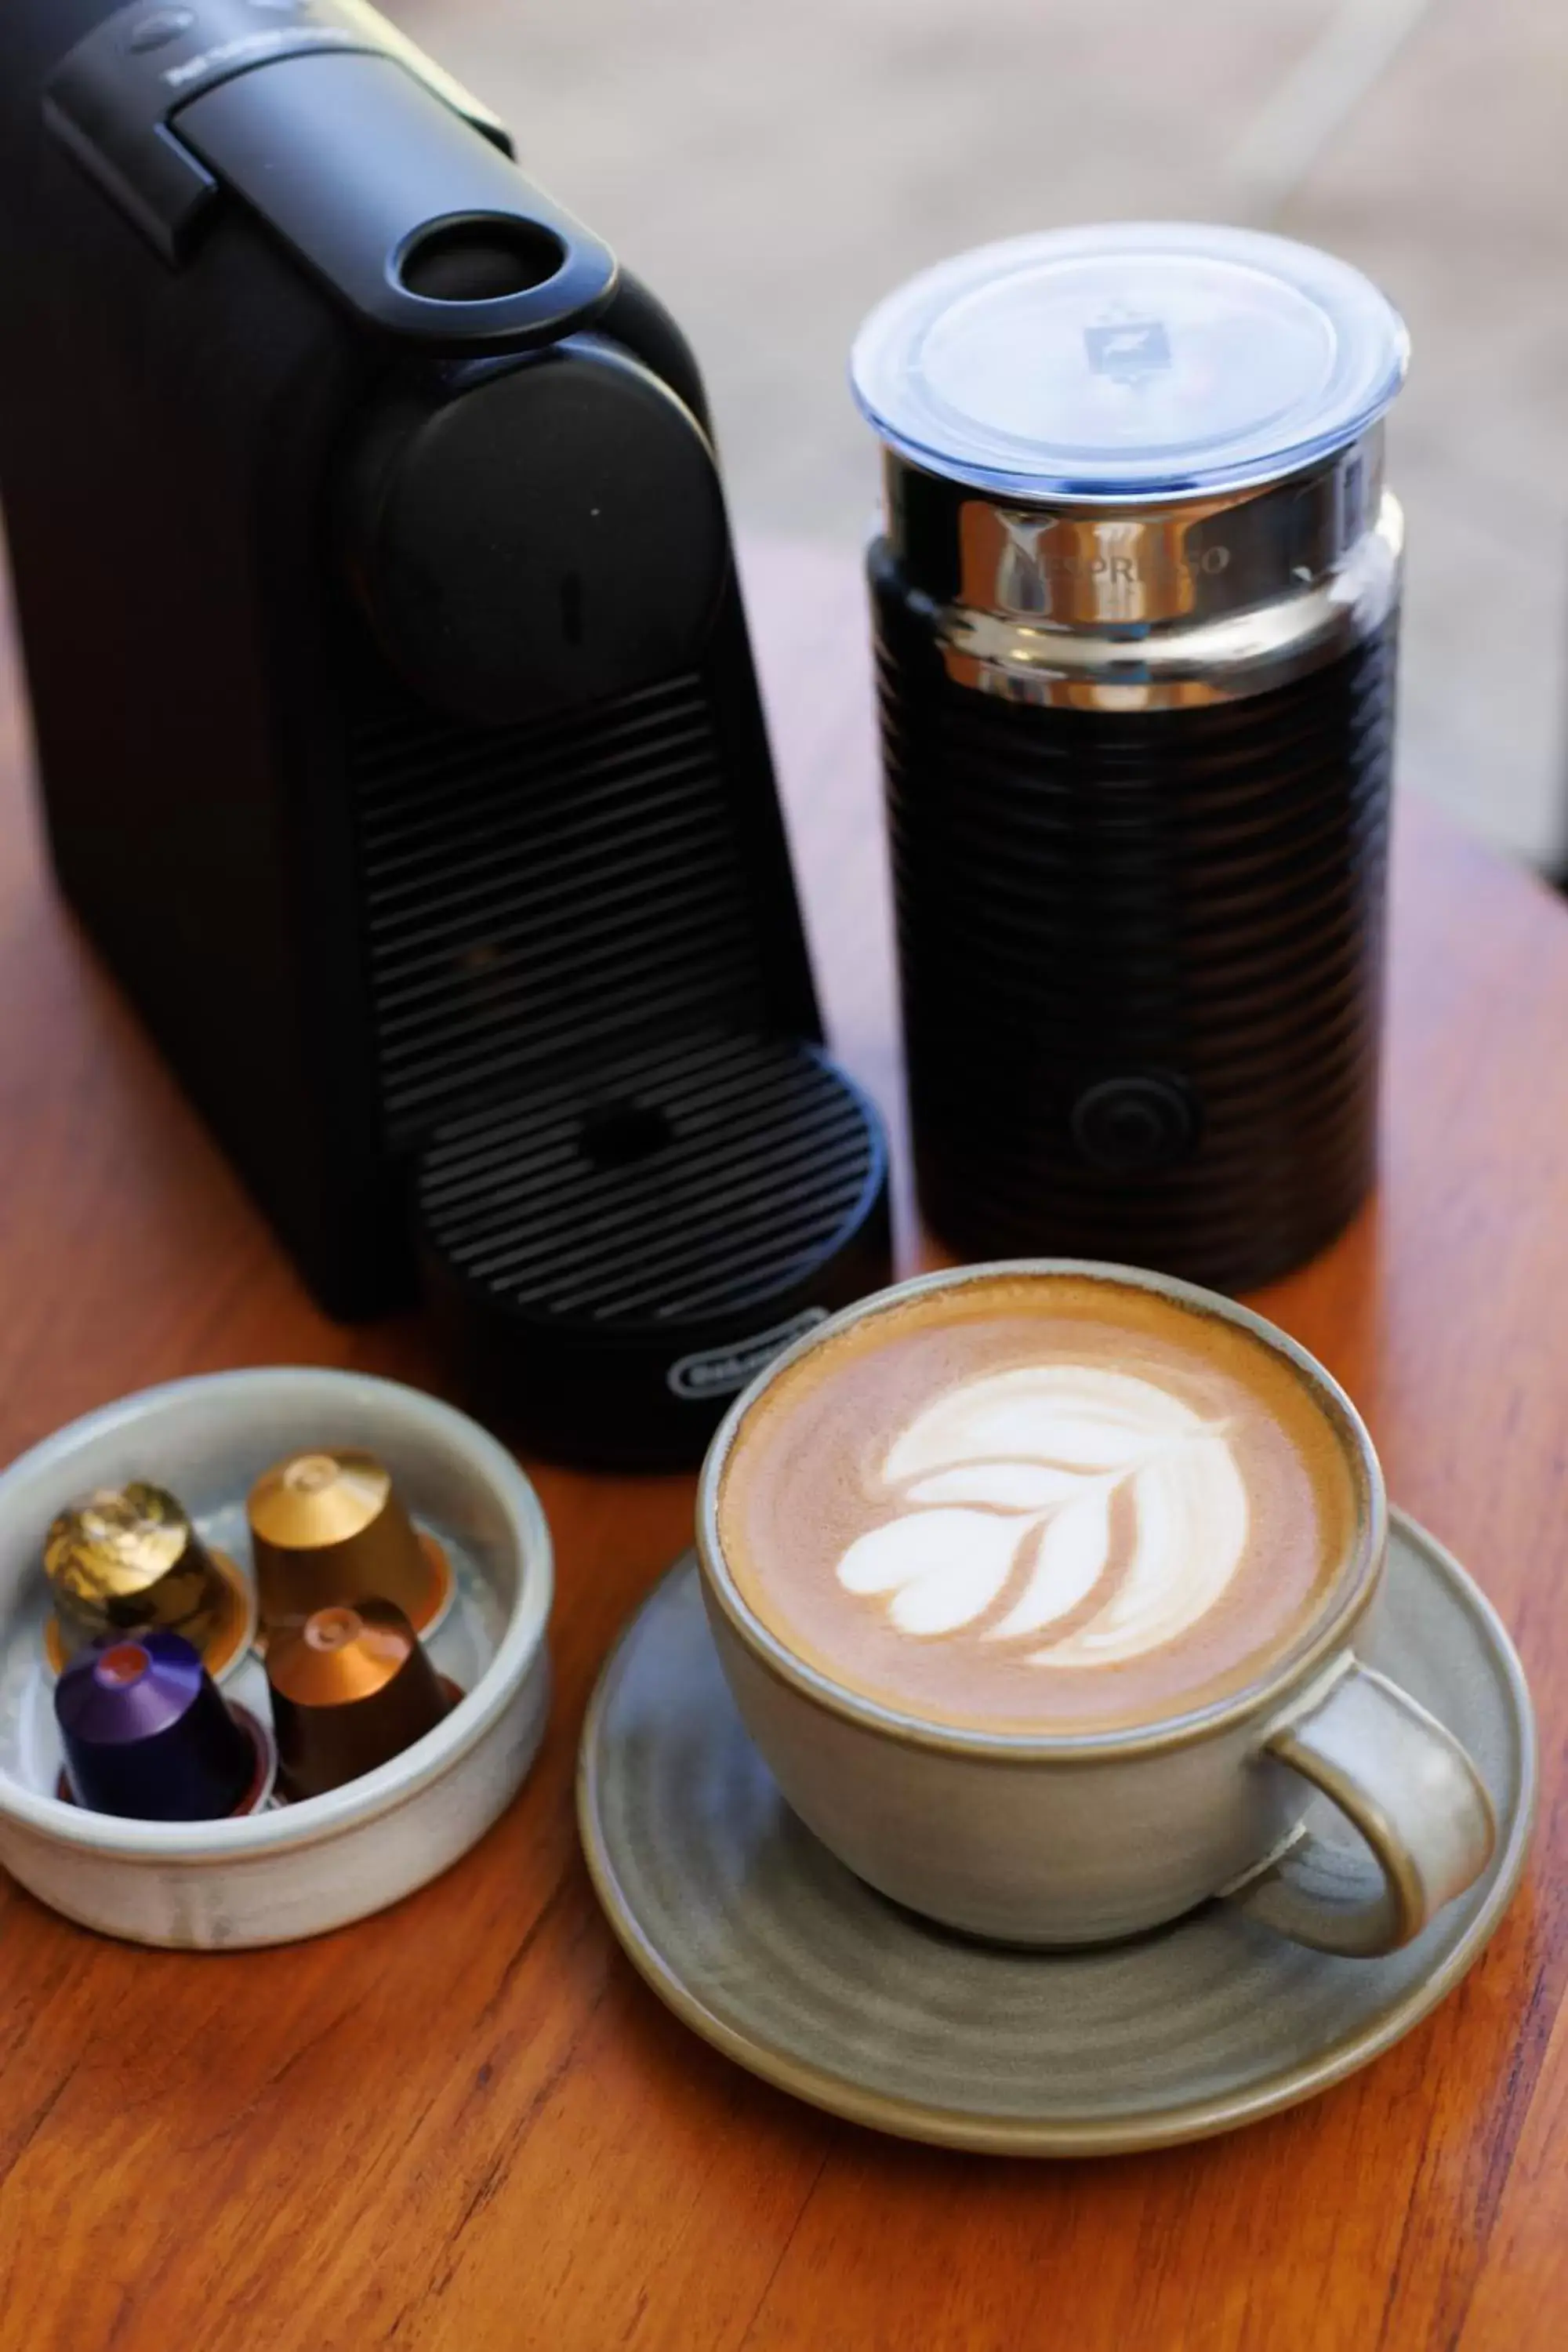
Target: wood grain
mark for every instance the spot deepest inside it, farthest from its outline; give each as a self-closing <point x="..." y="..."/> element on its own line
<point x="465" y="2123"/>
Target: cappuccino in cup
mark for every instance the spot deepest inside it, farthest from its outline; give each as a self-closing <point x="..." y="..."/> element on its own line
<point x="1037" y="1587"/>
<point x="1048" y="1503"/>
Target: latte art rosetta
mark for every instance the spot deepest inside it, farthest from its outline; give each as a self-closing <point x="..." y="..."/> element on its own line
<point x="1055" y="1496"/>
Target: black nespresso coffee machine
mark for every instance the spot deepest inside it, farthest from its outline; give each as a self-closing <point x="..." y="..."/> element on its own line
<point x="400" y="742"/>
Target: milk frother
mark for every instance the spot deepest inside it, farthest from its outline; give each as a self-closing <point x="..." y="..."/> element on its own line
<point x="1136" y="603"/>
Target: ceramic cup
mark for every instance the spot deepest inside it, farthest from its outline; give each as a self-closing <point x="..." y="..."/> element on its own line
<point x="1069" y="1839"/>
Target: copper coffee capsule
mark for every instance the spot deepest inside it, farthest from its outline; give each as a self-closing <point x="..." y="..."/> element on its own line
<point x="128" y="1557"/>
<point x="329" y="1527"/>
<point x="351" y="1687"/>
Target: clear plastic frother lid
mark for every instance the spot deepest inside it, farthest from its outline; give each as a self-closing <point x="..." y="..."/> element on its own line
<point x="1122" y="364"/>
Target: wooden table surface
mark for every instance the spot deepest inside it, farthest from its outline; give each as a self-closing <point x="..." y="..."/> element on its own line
<point x="466" y="2122"/>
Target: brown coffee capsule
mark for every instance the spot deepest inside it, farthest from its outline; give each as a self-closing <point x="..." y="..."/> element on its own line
<point x="329" y="1527"/>
<point x="351" y="1687"/>
<point x="126" y="1557"/>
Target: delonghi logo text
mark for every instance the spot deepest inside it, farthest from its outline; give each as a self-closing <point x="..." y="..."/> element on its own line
<point x="723" y="1371"/>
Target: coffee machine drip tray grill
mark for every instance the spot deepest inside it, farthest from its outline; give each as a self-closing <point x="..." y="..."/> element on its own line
<point x="615" y="1254"/>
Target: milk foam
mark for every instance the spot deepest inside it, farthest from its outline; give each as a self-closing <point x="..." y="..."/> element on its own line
<point x="1007" y="1485"/>
<point x="1040" y="1503"/>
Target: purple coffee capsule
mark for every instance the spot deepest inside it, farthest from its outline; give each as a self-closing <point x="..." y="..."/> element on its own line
<point x="146" y="1734"/>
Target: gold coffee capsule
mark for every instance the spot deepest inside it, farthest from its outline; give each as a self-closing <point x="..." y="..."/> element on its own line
<point x="329" y="1528"/>
<point x="128" y="1558"/>
<point x="350" y="1688"/>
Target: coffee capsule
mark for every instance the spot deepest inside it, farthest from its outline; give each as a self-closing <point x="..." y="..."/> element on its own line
<point x="329" y="1528"/>
<point x="147" y="1735"/>
<point x="351" y="1687"/>
<point x="127" y="1556"/>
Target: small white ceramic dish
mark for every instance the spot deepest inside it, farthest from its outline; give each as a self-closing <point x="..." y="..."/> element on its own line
<point x="304" y="1868"/>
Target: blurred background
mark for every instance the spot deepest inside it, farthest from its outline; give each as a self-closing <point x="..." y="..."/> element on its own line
<point x="772" y="168"/>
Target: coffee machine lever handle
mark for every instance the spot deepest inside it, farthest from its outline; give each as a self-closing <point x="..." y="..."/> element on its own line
<point x="399" y="205"/>
<point x="382" y="175"/>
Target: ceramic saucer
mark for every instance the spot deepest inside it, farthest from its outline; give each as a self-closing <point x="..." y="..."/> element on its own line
<point x="773" y="1951"/>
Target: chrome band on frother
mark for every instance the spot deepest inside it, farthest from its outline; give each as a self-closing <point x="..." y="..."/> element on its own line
<point x="1161" y="609"/>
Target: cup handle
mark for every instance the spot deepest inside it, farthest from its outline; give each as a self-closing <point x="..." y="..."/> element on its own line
<point x="1407" y="1786"/>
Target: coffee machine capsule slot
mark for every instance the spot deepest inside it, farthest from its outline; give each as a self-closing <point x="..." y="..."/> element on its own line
<point x="423" y="706"/>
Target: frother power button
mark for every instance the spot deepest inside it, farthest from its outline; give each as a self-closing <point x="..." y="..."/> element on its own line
<point x="1135" y="1125"/>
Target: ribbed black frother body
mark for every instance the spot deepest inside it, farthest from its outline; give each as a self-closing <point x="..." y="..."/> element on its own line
<point x="1141" y="958"/>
